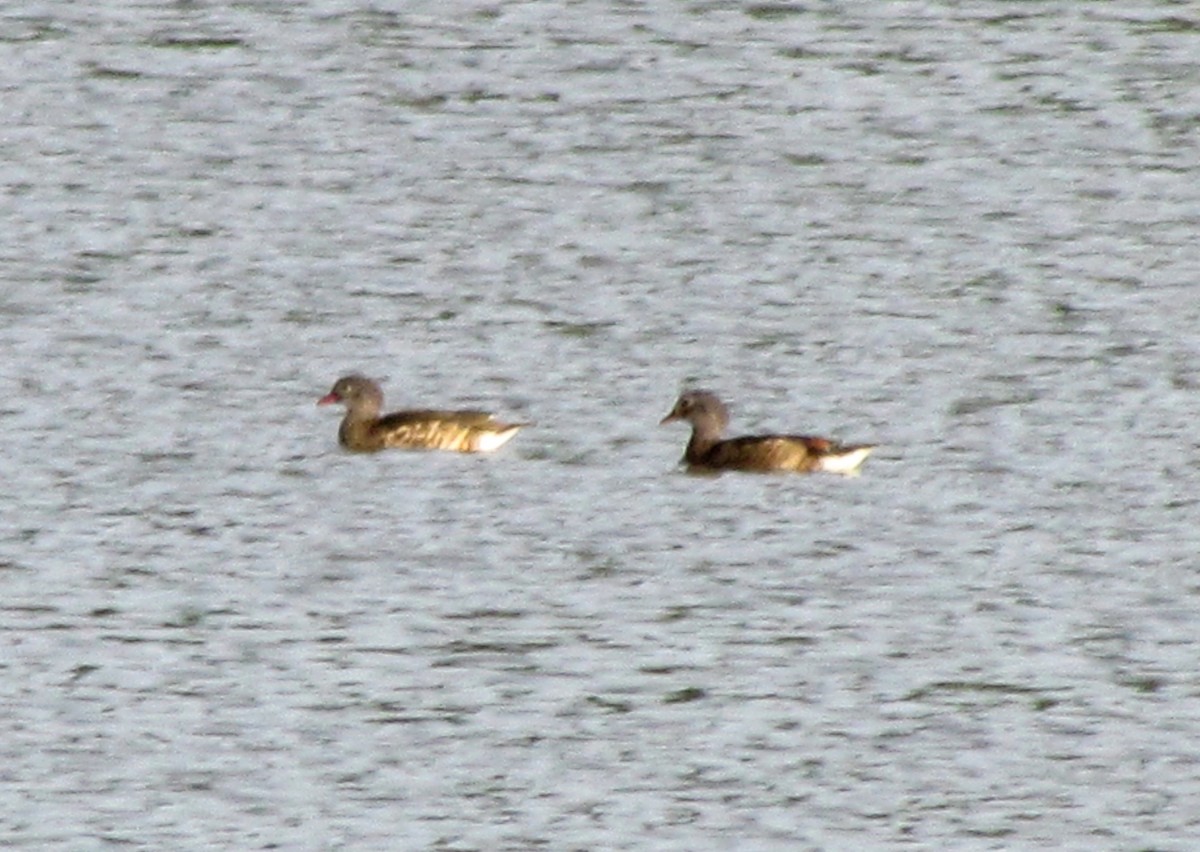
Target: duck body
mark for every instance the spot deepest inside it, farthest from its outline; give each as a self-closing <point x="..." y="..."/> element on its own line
<point x="708" y="451"/>
<point x="363" y="429"/>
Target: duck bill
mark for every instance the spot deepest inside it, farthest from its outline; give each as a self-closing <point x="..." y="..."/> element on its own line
<point x="670" y="418"/>
<point x="328" y="399"/>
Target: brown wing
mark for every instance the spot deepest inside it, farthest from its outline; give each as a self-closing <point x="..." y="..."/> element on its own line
<point x="464" y="431"/>
<point x="464" y="417"/>
<point x="763" y="453"/>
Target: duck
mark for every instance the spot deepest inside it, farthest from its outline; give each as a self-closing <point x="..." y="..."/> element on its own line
<point x="707" y="451"/>
<point x="363" y="429"/>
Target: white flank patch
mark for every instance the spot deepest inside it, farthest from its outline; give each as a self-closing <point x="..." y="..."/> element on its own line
<point x="846" y="464"/>
<point x="489" y="441"/>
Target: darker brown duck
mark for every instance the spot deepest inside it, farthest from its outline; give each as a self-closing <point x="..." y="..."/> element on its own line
<point x="363" y="429"/>
<point x="708" y="451"/>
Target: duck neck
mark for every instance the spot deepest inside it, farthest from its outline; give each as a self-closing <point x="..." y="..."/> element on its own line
<point x="357" y="433"/>
<point x="705" y="434"/>
<point x="356" y="429"/>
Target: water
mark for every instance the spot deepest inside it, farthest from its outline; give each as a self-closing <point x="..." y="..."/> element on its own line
<point x="964" y="231"/>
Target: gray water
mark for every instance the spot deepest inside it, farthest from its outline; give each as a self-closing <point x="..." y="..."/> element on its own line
<point x="967" y="231"/>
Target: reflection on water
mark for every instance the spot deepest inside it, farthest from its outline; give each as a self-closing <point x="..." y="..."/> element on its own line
<point x="959" y="231"/>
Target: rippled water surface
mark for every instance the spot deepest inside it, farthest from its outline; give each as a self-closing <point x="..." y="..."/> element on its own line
<point x="964" y="230"/>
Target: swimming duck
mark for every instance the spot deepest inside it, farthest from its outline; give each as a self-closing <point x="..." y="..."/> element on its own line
<point x="707" y="451"/>
<point x="364" y="430"/>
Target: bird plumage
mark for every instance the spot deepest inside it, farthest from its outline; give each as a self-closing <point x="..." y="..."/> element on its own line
<point x="708" y="450"/>
<point x="363" y="429"/>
